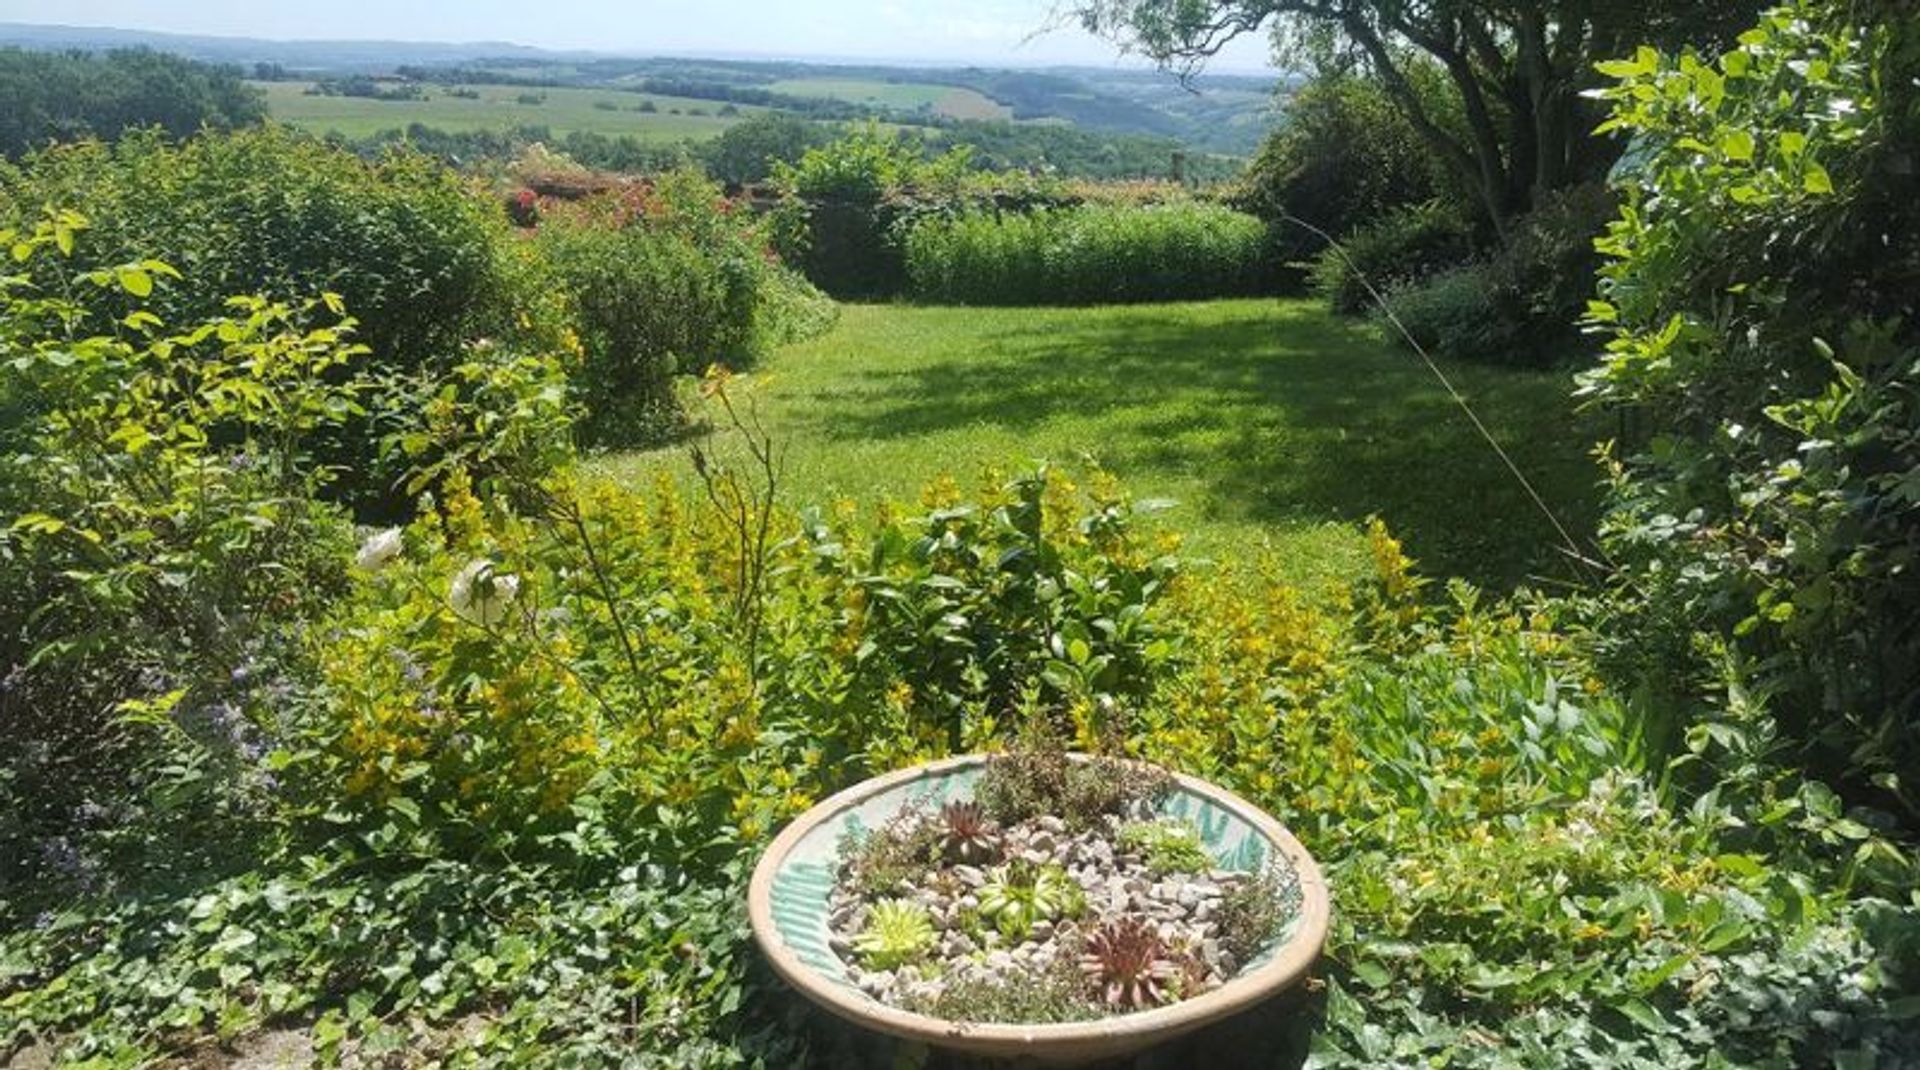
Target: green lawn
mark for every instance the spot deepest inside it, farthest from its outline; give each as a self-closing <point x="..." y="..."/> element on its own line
<point x="1271" y="424"/>
<point x="954" y="101"/>
<point x="498" y="107"/>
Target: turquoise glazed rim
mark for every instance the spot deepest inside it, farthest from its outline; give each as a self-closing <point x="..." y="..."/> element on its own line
<point x="787" y="902"/>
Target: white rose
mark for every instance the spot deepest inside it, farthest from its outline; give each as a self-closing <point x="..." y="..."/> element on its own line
<point x="481" y="595"/>
<point x="380" y="548"/>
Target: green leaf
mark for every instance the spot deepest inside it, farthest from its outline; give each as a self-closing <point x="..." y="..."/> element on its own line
<point x="1817" y="180"/>
<point x="1372" y="974"/>
<point x="135" y="281"/>
<point x="1640" y="1014"/>
<point x="40" y="524"/>
<point x="1737" y="145"/>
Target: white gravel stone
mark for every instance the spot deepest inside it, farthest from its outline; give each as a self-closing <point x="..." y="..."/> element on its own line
<point x="1182" y="908"/>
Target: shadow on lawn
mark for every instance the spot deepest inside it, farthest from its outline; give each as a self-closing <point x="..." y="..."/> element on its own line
<point x="1286" y="417"/>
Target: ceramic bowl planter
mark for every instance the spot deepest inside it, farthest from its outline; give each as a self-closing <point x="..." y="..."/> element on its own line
<point x="789" y="904"/>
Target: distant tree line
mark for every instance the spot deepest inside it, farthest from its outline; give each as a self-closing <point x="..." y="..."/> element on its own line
<point x="1078" y="153"/>
<point x="812" y="107"/>
<point x="745" y="152"/>
<point x="62" y="96"/>
<point x="368" y="87"/>
<point x="468" y="76"/>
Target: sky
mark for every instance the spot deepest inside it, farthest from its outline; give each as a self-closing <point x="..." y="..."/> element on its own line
<point x="976" y="31"/>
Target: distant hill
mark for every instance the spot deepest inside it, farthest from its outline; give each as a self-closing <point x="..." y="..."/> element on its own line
<point x="1225" y="114"/>
<point x="318" y="56"/>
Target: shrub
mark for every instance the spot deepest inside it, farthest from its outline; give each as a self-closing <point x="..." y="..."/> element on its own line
<point x="662" y="278"/>
<point x="1088" y="255"/>
<point x="648" y="304"/>
<point x="1540" y="279"/>
<point x="832" y="224"/>
<point x="161" y="543"/>
<point x="272" y="212"/>
<point x="1762" y="353"/>
<point x="1449" y="314"/>
<point x="1404" y="246"/>
<point x="401" y="241"/>
<point x="1344" y="156"/>
<point x="1041" y="589"/>
<point x="1522" y="305"/>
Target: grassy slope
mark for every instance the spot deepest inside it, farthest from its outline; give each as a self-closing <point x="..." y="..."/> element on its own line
<point x="564" y="111"/>
<point x="1271" y="423"/>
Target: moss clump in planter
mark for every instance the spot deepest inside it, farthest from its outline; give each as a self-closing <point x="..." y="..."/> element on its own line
<point x="1057" y="893"/>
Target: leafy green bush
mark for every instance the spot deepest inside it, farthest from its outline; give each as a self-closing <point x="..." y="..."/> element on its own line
<point x="1541" y="278"/>
<point x="401" y="241"/>
<point x="648" y="305"/>
<point x="1401" y="247"/>
<point x="271" y="212"/>
<point x="1089" y="255"/>
<point x="1450" y="314"/>
<point x="832" y="224"/>
<point x="1762" y="356"/>
<point x="975" y="607"/>
<point x="1345" y="156"/>
<point x="664" y="279"/>
<point x="161" y="542"/>
<point x="1523" y="304"/>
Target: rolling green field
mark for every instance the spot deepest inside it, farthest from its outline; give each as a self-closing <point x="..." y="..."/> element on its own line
<point x="952" y="101"/>
<point x="497" y="108"/>
<point x="1272" y="425"/>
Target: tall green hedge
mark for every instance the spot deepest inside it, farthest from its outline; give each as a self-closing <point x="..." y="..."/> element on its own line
<point x="1092" y="254"/>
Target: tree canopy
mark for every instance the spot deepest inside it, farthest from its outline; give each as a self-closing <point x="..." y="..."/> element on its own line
<point x="63" y="96"/>
<point x="1519" y="69"/>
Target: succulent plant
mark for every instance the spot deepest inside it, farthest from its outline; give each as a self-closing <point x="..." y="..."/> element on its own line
<point x="1169" y="845"/>
<point x="968" y="836"/>
<point x="1018" y="894"/>
<point x="897" y="932"/>
<point x="1037" y="777"/>
<point x="1128" y="964"/>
